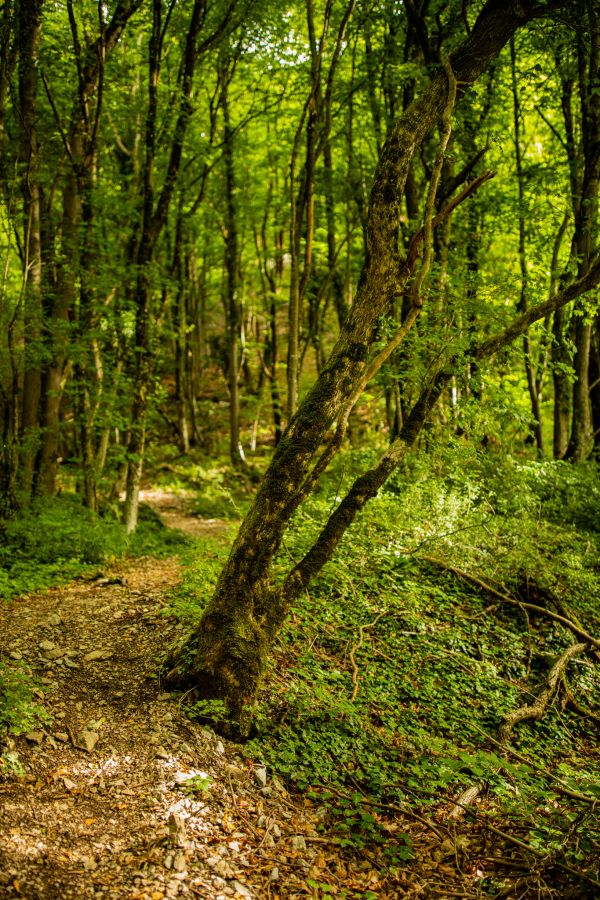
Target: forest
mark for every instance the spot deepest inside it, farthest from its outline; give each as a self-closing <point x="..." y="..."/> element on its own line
<point x="300" y="448"/>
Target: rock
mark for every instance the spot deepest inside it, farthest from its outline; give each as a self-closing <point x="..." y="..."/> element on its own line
<point x="177" y="830"/>
<point x="69" y="663"/>
<point x="88" y="739"/>
<point x="298" y="843"/>
<point x="220" y="747"/>
<point x="219" y="867"/>
<point x="241" y="889"/>
<point x="163" y="696"/>
<point x="16" y="655"/>
<point x="97" y="654"/>
<point x="179" y="863"/>
<point x="34" y="737"/>
<point x="54" y="654"/>
<point x="260" y="776"/>
<point x="61" y="736"/>
<point x="234" y="771"/>
<point x="46" y="645"/>
<point x="274" y="874"/>
<point x="54" y="619"/>
<point x="276" y="831"/>
<point x="161" y="753"/>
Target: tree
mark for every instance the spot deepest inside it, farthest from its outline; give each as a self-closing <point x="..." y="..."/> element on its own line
<point x="225" y="656"/>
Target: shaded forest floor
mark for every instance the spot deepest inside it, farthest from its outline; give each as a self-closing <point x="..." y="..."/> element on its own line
<point x="123" y="796"/>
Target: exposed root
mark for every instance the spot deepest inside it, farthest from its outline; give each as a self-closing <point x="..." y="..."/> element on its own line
<point x="537" y="709"/>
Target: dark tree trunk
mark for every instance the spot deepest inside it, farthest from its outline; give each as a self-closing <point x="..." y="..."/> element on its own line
<point x="232" y="266"/>
<point x="29" y="34"/>
<point x="586" y="220"/>
<point x="154" y="216"/>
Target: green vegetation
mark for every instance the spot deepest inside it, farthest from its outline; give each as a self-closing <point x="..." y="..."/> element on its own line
<point x="392" y="675"/>
<point x="21" y="709"/>
<point x="58" y="540"/>
<point x="355" y="247"/>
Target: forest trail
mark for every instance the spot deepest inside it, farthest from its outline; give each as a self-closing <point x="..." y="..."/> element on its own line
<point x="123" y="796"/>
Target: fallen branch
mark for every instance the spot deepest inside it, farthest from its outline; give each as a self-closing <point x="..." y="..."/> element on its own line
<point x="540" y="610"/>
<point x="537" y="709"/>
<point x="392" y="807"/>
<point x="542" y="855"/>
<point x="559" y="786"/>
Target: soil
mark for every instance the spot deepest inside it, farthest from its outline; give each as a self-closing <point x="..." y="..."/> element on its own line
<point x="121" y="795"/>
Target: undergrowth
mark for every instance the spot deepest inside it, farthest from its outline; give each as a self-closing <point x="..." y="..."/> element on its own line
<point x="393" y="674"/>
<point x="21" y="710"/>
<point x="57" y="540"/>
<point x="218" y="491"/>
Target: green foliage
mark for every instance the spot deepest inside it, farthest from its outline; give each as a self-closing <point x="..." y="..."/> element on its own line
<point x="57" y="540"/>
<point x="434" y="665"/>
<point x="198" y="785"/>
<point x="219" y="491"/>
<point x="201" y="567"/>
<point x="20" y="709"/>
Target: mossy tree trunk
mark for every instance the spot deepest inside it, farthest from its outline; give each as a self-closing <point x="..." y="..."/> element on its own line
<point x="225" y="657"/>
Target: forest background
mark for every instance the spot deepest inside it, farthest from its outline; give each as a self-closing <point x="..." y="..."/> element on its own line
<point x="193" y="196"/>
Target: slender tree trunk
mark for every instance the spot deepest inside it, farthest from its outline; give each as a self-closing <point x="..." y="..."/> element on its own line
<point x="530" y="369"/>
<point x="29" y="35"/>
<point x="232" y="263"/>
<point x="562" y="387"/>
<point x="154" y="216"/>
<point x="586" y="222"/>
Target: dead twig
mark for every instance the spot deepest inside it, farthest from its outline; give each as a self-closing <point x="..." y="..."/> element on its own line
<point x="560" y="786"/>
<point x="356" y="647"/>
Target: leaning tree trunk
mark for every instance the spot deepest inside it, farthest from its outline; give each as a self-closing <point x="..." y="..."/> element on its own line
<point x="225" y="657"/>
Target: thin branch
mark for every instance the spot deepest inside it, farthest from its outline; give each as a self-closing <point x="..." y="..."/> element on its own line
<point x="423" y="272"/>
<point x="61" y="130"/>
<point x="541" y="610"/>
<point x="356" y="647"/>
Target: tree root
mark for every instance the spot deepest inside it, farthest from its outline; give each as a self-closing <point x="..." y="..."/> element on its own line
<point x="537" y="709"/>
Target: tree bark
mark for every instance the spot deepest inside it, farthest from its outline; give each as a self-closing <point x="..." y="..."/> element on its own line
<point x="586" y="222"/>
<point x="232" y="265"/>
<point x="154" y="216"/>
<point x="29" y="35"/>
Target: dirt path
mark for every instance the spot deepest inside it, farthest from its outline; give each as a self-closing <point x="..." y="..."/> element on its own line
<point x="123" y="796"/>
